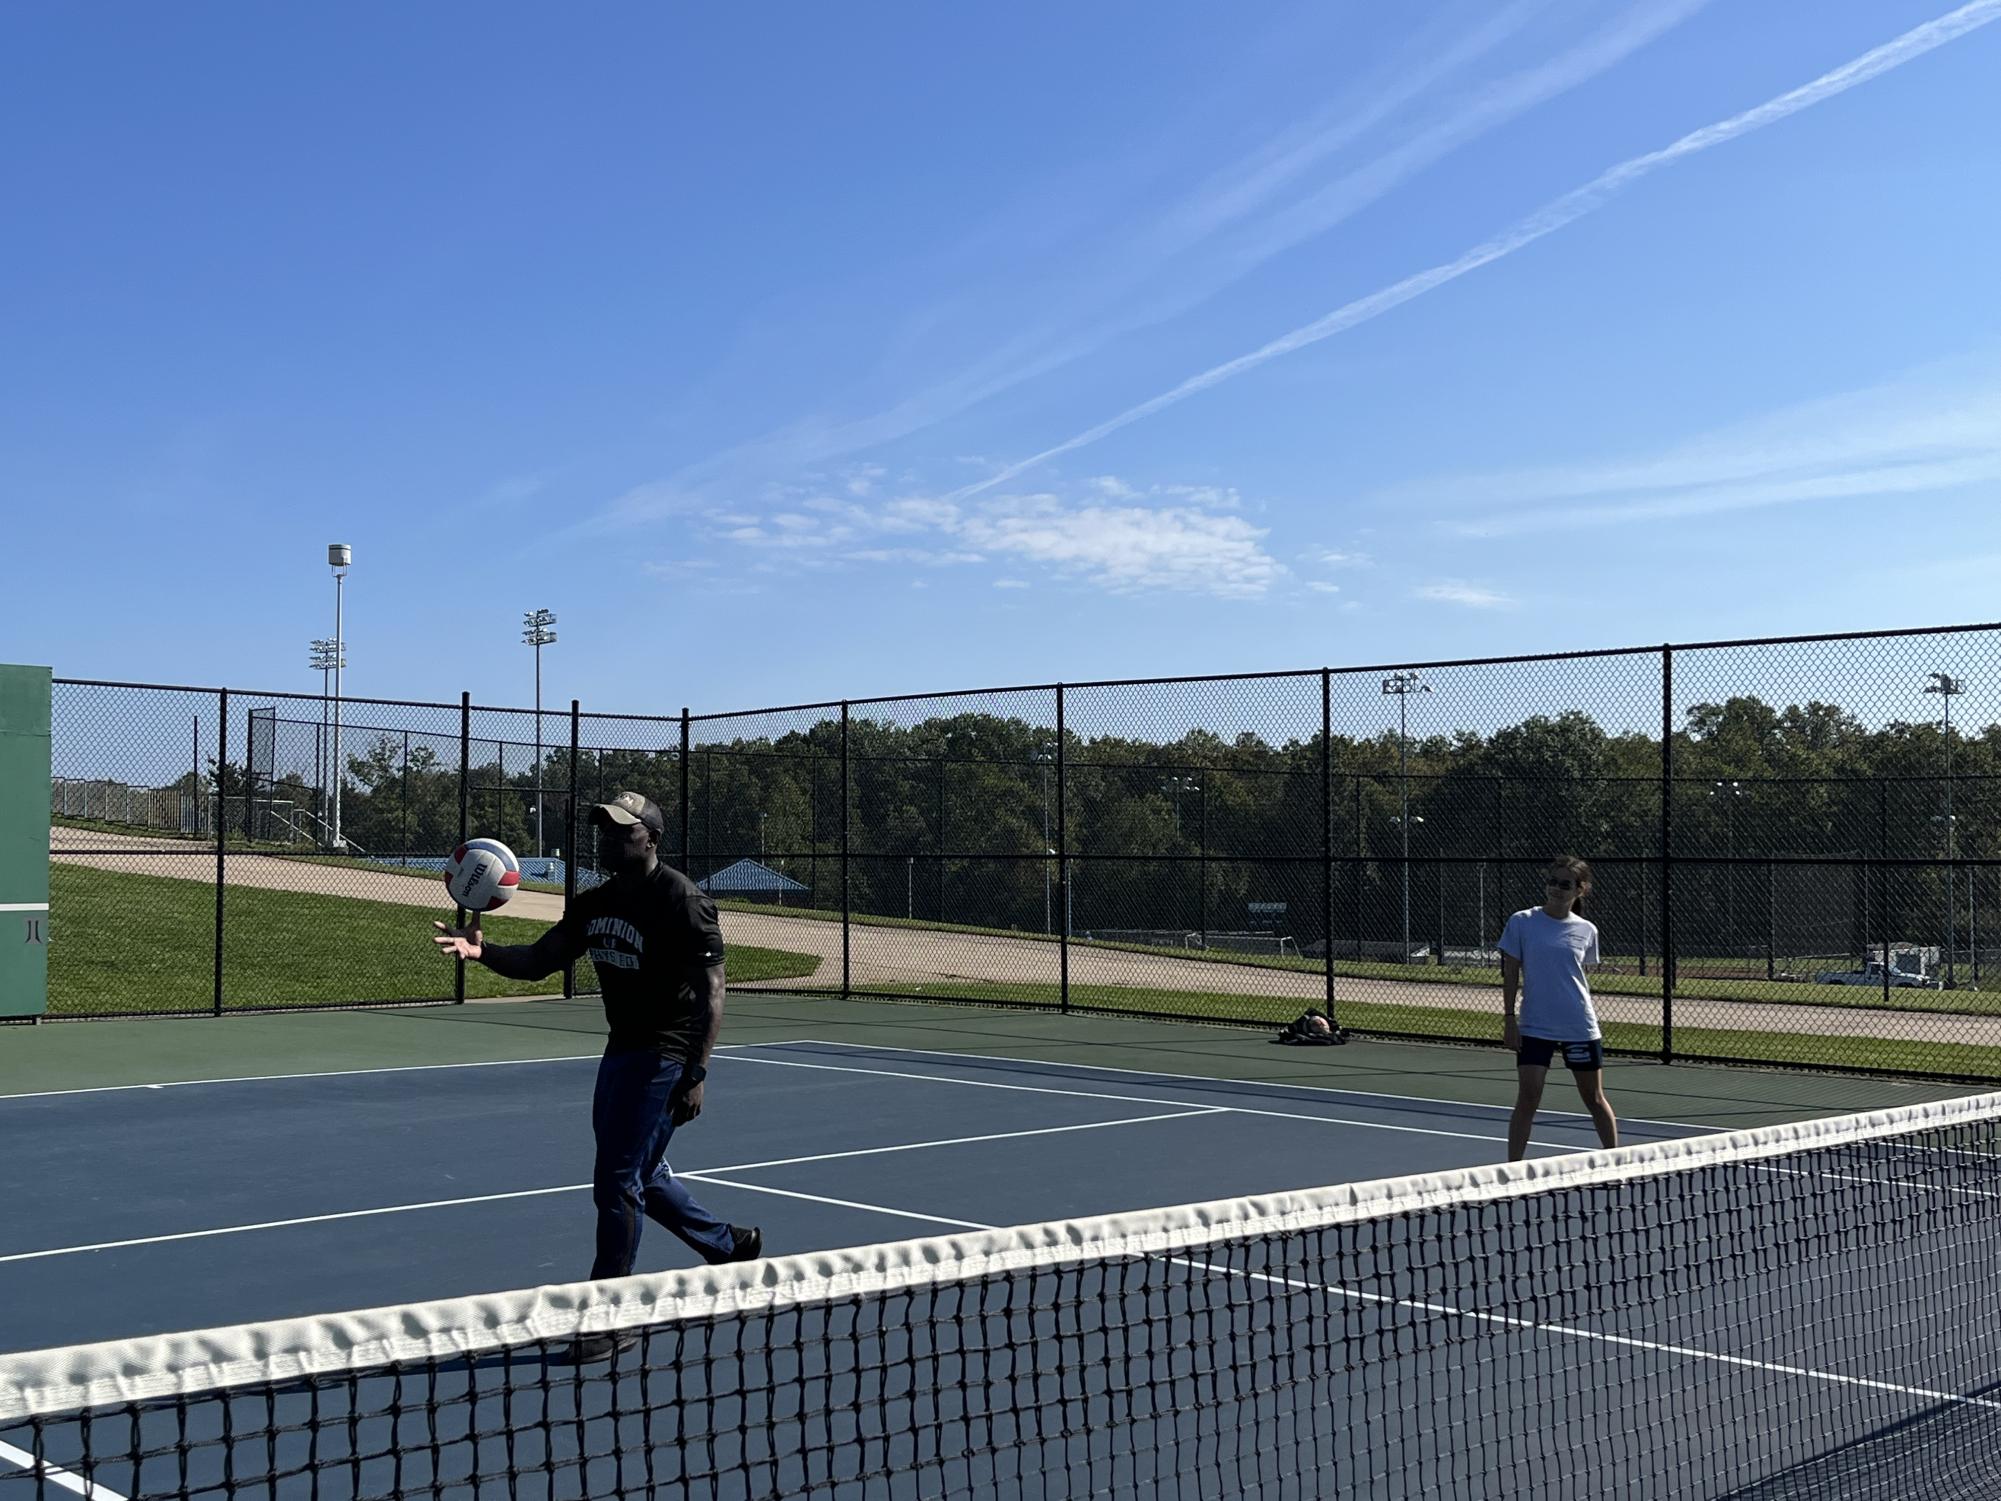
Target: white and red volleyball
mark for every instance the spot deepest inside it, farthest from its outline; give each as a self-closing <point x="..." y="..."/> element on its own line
<point x="482" y="874"/>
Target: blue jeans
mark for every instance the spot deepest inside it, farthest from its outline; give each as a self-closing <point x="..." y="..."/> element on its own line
<point x="631" y="1183"/>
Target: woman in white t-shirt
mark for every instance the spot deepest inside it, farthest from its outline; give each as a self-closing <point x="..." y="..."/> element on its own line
<point x="1544" y="952"/>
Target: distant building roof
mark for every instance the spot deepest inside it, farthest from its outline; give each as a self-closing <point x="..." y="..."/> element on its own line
<point x="748" y="875"/>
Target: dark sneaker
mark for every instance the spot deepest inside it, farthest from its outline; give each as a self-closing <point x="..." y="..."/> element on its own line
<point x="747" y="1243"/>
<point x="589" y="1349"/>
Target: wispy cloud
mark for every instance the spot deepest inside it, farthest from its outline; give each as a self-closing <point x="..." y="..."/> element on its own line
<point x="1127" y="549"/>
<point x="1328" y="557"/>
<point x="1240" y="189"/>
<point x="916" y="557"/>
<point x="1472" y="596"/>
<point x="1183" y="546"/>
<point x="1483" y="109"/>
<point x="1321" y="586"/>
<point x="674" y="568"/>
<point x="1546" y="220"/>
<point x="700" y="575"/>
<point x="513" y="490"/>
<point x="1922" y="436"/>
<point x="1238" y="216"/>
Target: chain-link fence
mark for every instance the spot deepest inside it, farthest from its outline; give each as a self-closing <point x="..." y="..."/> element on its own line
<point x="1796" y="844"/>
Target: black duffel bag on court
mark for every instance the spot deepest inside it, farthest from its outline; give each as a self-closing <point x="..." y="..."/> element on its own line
<point x="1315" y="1029"/>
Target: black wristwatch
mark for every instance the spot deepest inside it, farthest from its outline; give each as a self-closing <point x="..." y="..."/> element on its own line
<point x="694" y="1073"/>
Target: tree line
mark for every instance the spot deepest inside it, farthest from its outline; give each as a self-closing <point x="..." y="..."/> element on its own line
<point x="954" y="818"/>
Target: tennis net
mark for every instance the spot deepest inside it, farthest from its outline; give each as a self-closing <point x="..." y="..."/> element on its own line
<point x="1807" y="1310"/>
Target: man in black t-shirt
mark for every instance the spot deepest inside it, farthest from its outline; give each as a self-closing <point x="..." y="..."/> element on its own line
<point x="653" y="936"/>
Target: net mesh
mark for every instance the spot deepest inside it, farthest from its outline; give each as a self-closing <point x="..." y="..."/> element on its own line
<point x="1808" y="1310"/>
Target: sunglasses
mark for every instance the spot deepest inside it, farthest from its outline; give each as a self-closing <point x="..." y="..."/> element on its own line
<point x="1560" y="883"/>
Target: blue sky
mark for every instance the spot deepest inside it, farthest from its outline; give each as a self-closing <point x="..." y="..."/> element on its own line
<point x="789" y="353"/>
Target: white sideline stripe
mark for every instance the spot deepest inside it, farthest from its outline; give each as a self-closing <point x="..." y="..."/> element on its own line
<point x="24" y="906"/>
<point x="22" y="1459"/>
<point x="1152" y="1073"/>
<point x="1328" y="1120"/>
<point x="1572" y="1331"/>
<point x="1135" y="1099"/>
<point x="1568" y="1331"/>
<point x="792" y="1193"/>
<point x="345" y="1073"/>
<point x="310" y="1219"/>
<point x="955" y="1141"/>
<point x="565" y="1188"/>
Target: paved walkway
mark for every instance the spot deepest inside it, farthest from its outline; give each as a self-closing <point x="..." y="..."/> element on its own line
<point x="884" y="958"/>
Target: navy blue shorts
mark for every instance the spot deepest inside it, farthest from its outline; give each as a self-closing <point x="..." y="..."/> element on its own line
<point x="1578" y="1057"/>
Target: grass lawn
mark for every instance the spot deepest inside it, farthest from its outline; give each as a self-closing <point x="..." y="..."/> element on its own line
<point x="146" y="943"/>
<point x="1956" y="1059"/>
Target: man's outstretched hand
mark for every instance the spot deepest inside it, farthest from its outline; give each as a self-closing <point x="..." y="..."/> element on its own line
<point x="459" y="943"/>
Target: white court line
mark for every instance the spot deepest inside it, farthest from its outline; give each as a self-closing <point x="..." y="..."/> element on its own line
<point x="348" y="1073"/>
<point x="24" y="906"/>
<point x="954" y="1141"/>
<point x="1329" y="1120"/>
<point x="22" y="1459"/>
<point x="1572" y="1331"/>
<point x="790" y="1193"/>
<point x="1136" y="1099"/>
<point x="565" y="1188"/>
<point x="1149" y="1073"/>
<point x="1568" y="1331"/>
<point x="310" y="1219"/>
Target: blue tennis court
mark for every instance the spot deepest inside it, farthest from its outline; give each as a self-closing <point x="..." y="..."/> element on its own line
<point x="1082" y="1276"/>
<point x="159" y="1207"/>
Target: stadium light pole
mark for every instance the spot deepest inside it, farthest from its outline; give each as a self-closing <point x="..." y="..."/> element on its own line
<point x="340" y="557"/>
<point x="1946" y="686"/>
<point x="323" y="655"/>
<point x="1401" y="685"/>
<point x="536" y="632"/>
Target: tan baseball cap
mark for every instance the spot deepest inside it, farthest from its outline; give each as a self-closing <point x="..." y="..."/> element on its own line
<point x="631" y="808"/>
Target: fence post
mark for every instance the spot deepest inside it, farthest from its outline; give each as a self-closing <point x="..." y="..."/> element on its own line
<point x="1062" y="861"/>
<point x="1771" y="920"/>
<point x="405" y="793"/>
<point x="1882" y="883"/>
<point x="847" y="957"/>
<point x="1361" y="858"/>
<point x="1202" y="853"/>
<point x="686" y="845"/>
<point x="570" y="843"/>
<point x="1327" y="839"/>
<point x="465" y="792"/>
<point x="1668" y="956"/>
<point x="1438" y="953"/>
<point x="1645" y="912"/>
<point x="221" y="830"/>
